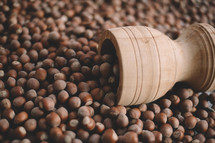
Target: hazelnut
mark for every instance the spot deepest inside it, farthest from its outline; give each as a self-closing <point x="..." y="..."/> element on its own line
<point x="161" y="118"/>
<point x="4" y="93"/>
<point x="86" y="98"/>
<point x="109" y="136"/>
<point x="42" y="136"/>
<point x="178" y="135"/>
<point x="174" y="99"/>
<point x="73" y="124"/>
<point x="168" y="112"/>
<point x="99" y="127"/>
<point x="36" y="112"/>
<point x="148" y="136"/>
<point x="83" y="87"/>
<point x="129" y="137"/>
<point x="109" y="99"/>
<point x="63" y="113"/>
<point x="20" y="132"/>
<point x="158" y="136"/>
<point x="5" y="103"/>
<point x="202" y="126"/>
<point x="88" y="123"/>
<point x="97" y="94"/>
<point x="71" y="88"/>
<point x="149" y="125"/>
<point x="31" y="94"/>
<point x="53" y="119"/>
<point x="166" y="130"/>
<point x="184" y="93"/>
<point x="55" y="133"/>
<point x="134" y="113"/>
<point x="9" y="114"/>
<point x="30" y="125"/>
<point x="74" y="102"/>
<point x="85" y="111"/>
<point x="190" y="122"/>
<point x="17" y="91"/>
<point x="174" y="122"/>
<point x="165" y="103"/>
<point x="83" y="135"/>
<point x="155" y="108"/>
<point x="94" y="138"/>
<point x="186" y="105"/>
<point x="122" y="120"/>
<point x="148" y="115"/>
<point x="135" y="128"/>
<point x="20" y="117"/>
<point x="4" y="125"/>
<point x="19" y="101"/>
<point x="105" y="69"/>
<point x="59" y="85"/>
<point x="41" y="74"/>
<point x="47" y="103"/>
<point x="33" y="83"/>
<point x="108" y="123"/>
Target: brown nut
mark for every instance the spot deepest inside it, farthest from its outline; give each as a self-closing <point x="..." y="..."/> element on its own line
<point x="9" y="114"/>
<point x="16" y="91"/>
<point x="148" y="136"/>
<point x="41" y="74"/>
<point x="161" y="118"/>
<point x="135" y="128"/>
<point x="86" y="98"/>
<point x="174" y="122"/>
<point x="178" y="135"/>
<point x="74" y="102"/>
<point x="88" y="123"/>
<point x="202" y="126"/>
<point x="53" y="119"/>
<point x="97" y="94"/>
<point x="36" y="112"/>
<point x="109" y="136"/>
<point x="166" y="130"/>
<point x="33" y="83"/>
<point x="59" y="85"/>
<point x="94" y="138"/>
<point x="149" y="125"/>
<point x="134" y="113"/>
<point x="165" y="103"/>
<point x="19" y="101"/>
<point x="99" y="127"/>
<point x="129" y="137"/>
<point x="85" y="111"/>
<point x="30" y="125"/>
<point x="63" y="113"/>
<point x="186" y="105"/>
<point x="20" y="132"/>
<point x="5" y="103"/>
<point x="190" y="122"/>
<point x="73" y="124"/>
<point x="122" y="120"/>
<point x="148" y="115"/>
<point x="158" y="136"/>
<point x="20" y="117"/>
<point x="71" y="88"/>
<point x="4" y="125"/>
<point x="47" y="103"/>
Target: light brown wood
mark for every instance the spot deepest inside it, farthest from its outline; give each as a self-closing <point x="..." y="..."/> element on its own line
<point x="151" y="63"/>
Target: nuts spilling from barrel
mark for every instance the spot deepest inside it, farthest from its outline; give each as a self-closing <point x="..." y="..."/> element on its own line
<point x="55" y="87"/>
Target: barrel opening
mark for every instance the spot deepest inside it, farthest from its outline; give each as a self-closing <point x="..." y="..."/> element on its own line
<point x="108" y="47"/>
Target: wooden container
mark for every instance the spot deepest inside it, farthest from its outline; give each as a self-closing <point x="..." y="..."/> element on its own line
<point x="151" y="63"/>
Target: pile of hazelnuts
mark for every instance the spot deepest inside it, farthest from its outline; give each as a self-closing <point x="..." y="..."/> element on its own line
<point x="55" y="87"/>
